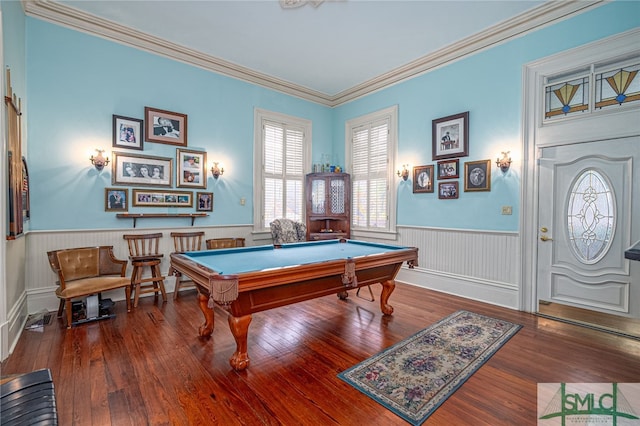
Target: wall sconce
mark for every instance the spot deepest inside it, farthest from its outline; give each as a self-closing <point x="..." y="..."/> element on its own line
<point x="505" y="162"/>
<point x="99" y="161"/>
<point x="217" y="171"/>
<point x="404" y="174"/>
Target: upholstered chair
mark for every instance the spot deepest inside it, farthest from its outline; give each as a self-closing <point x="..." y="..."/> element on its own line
<point x="287" y="231"/>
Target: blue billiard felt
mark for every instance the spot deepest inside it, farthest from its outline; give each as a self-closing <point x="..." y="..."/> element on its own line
<point x="258" y="258"/>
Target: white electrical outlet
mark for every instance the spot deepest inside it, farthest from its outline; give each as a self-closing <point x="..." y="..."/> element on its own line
<point x="506" y="210"/>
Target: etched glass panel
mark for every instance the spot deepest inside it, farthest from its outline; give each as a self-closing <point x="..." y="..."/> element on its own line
<point x="567" y="98"/>
<point x="337" y="196"/>
<point x="618" y="86"/>
<point x="590" y="216"/>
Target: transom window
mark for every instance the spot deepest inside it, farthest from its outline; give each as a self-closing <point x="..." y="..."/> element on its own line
<point x="596" y="88"/>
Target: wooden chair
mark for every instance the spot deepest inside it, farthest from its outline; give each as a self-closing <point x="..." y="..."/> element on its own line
<point x="183" y="242"/>
<point x="220" y="243"/>
<point x="87" y="271"/>
<point x="144" y="253"/>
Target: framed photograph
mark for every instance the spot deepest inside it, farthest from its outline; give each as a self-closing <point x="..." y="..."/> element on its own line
<point x="448" y="169"/>
<point x="191" y="169"/>
<point x="116" y="199"/>
<point x="450" y="136"/>
<point x="130" y="169"/>
<point x="477" y="175"/>
<point x="166" y="126"/>
<point x="423" y="179"/>
<point x="447" y="190"/>
<point x="205" y="201"/>
<point x="128" y="132"/>
<point x="160" y="198"/>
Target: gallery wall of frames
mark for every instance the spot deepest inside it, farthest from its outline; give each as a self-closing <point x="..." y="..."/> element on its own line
<point x="141" y="180"/>
<point x="450" y="142"/>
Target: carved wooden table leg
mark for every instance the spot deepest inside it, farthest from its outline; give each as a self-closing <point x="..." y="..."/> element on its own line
<point x="205" y="329"/>
<point x="387" y="289"/>
<point x="239" y="328"/>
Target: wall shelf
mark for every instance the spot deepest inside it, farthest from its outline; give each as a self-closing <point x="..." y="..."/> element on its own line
<point x="136" y="216"/>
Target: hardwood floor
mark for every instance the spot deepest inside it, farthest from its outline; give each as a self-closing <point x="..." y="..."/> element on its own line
<point x="149" y="366"/>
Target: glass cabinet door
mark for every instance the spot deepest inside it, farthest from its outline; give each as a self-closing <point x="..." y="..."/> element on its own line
<point x="318" y="196"/>
<point x="337" y="196"/>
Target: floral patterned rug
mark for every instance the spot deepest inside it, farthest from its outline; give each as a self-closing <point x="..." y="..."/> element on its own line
<point x="413" y="377"/>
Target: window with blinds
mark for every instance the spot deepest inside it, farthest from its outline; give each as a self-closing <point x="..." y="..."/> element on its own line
<point x="284" y="154"/>
<point x="371" y="149"/>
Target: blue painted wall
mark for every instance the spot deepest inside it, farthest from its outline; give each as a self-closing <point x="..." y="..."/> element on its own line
<point x="76" y="82"/>
<point x="13" y="43"/>
<point x="489" y="86"/>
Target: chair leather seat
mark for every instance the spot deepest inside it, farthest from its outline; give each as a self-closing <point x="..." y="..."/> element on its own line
<point x="85" y="286"/>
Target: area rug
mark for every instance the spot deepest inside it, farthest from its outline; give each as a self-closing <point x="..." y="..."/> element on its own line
<point x="415" y="376"/>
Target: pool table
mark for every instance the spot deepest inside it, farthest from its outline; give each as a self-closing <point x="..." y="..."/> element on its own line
<point x="253" y="279"/>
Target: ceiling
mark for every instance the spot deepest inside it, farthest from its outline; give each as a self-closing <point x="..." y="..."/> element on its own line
<point x="327" y="51"/>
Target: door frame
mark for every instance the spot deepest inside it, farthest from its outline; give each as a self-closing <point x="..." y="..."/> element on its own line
<point x="536" y="134"/>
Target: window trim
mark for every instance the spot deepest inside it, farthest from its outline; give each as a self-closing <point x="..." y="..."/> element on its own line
<point x="260" y="116"/>
<point x="391" y="114"/>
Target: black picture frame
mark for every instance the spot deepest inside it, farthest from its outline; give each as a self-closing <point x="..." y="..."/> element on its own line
<point x="128" y="132"/>
<point x="450" y="136"/>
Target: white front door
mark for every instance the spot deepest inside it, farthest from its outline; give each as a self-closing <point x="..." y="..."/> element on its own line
<point x="588" y="215"/>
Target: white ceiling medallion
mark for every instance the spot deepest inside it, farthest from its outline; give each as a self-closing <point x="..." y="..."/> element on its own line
<point x="290" y="4"/>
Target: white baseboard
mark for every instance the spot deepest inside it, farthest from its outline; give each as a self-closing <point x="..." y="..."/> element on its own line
<point x="495" y="293"/>
<point x="11" y="330"/>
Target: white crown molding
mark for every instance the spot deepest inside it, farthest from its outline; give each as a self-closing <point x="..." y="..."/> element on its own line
<point x="546" y="14"/>
<point x="543" y="15"/>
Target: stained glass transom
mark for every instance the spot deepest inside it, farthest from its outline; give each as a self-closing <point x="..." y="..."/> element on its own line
<point x="590" y="216"/>
<point x="621" y="85"/>
<point x="568" y="97"/>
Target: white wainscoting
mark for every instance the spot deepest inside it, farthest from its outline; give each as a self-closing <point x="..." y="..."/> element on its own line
<point x="479" y="265"/>
<point x="41" y="281"/>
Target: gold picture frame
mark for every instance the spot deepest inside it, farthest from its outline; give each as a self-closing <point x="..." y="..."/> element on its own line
<point x="162" y="198"/>
<point x="477" y="176"/>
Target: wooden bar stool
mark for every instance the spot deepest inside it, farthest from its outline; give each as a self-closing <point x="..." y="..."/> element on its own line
<point x="143" y="253"/>
<point x="183" y="242"/>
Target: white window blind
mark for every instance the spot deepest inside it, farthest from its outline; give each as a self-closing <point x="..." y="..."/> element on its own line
<point x="283" y="171"/>
<point x="370" y="147"/>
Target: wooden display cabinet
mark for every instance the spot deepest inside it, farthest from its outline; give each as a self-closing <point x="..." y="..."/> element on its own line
<point x="328" y="206"/>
